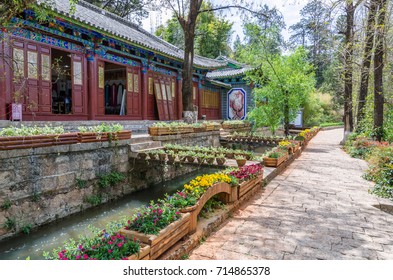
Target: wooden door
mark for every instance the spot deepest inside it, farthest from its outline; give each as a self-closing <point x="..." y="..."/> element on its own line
<point x="101" y="88"/>
<point x="77" y="83"/>
<point x="32" y="82"/>
<point x="159" y="100"/>
<point x="152" y="110"/>
<point x="165" y="100"/>
<point x="134" y="93"/>
<point x="19" y="73"/>
<point x="45" y="96"/>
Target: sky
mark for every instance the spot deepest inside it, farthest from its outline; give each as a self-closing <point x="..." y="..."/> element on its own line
<point x="289" y="8"/>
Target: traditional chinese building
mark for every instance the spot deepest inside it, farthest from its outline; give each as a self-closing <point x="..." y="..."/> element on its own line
<point x="93" y="65"/>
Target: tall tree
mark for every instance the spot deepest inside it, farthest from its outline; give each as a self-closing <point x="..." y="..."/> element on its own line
<point x="378" y="70"/>
<point x="366" y="63"/>
<point x="348" y="66"/>
<point x="285" y="81"/>
<point x="187" y="12"/>
<point x="212" y="34"/>
<point x="313" y="31"/>
<point x="134" y="10"/>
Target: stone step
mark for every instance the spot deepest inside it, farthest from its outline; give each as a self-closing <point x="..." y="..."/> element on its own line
<point x="140" y="138"/>
<point x="145" y="146"/>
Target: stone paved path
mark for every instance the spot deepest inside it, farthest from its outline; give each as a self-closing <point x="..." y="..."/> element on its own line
<point x="318" y="208"/>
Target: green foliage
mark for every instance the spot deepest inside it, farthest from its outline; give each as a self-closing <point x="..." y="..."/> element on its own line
<point x="211" y="205"/>
<point x="10" y="223"/>
<point x="319" y="108"/>
<point x="81" y="183"/>
<point x="110" y="179"/>
<point x="327" y="124"/>
<point x="6" y="204"/>
<point x="286" y="82"/>
<point x="212" y="34"/>
<point x="93" y="199"/>
<point x="181" y="199"/>
<point x="381" y="171"/>
<point x="151" y="219"/>
<point x="36" y="197"/>
<point x="31" y="130"/>
<point x="26" y="229"/>
<point x="100" y="246"/>
<point x="104" y="127"/>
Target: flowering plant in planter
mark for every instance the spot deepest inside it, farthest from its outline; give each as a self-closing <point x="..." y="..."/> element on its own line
<point x="181" y="199"/>
<point x="200" y="184"/>
<point x="103" y="246"/>
<point x="151" y="219"/>
<point x="247" y="172"/>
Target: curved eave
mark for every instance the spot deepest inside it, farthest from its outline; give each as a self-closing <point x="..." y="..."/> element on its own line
<point x="125" y="39"/>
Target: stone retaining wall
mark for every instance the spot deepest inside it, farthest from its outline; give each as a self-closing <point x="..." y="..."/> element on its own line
<point x="40" y="185"/>
<point x="206" y="139"/>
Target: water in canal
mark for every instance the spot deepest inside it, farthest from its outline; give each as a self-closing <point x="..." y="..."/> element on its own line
<point x="53" y="235"/>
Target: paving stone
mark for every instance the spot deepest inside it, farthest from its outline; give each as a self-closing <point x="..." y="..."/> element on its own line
<point x="318" y="208"/>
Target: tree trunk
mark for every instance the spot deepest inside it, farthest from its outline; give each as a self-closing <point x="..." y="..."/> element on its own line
<point x="187" y="70"/>
<point x="188" y="25"/>
<point x="365" y="69"/>
<point x="378" y="71"/>
<point x="348" y="69"/>
<point x="286" y="114"/>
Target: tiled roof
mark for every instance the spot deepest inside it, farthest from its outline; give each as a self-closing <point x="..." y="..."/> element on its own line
<point x="119" y="27"/>
<point x="218" y="83"/>
<point x="227" y="73"/>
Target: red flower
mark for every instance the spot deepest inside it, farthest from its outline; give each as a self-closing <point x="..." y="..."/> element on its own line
<point x="109" y="251"/>
<point x="85" y="256"/>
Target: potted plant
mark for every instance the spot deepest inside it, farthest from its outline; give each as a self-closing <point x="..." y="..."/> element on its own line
<point x="240" y="160"/>
<point x="275" y="158"/>
<point x="209" y="159"/>
<point x="171" y="156"/>
<point x="182" y="156"/>
<point x="200" y="157"/>
<point x="190" y="156"/>
<point x="220" y="159"/>
<point x="153" y="154"/>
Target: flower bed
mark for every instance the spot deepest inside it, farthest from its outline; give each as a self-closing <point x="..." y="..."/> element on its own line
<point x="102" y="246"/>
<point x="235" y="124"/>
<point x="164" y="239"/>
<point x="103" y="133"/>
<point x="249" y="177"/>
<point x="164" y="128"/>
<point x="34" y="137"/>
<point x="275" y="158"/>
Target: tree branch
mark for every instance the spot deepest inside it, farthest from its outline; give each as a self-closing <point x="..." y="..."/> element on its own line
<point x="233" y="6"/>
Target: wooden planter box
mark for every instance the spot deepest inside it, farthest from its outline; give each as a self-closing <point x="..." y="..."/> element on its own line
<point x="157" y="131"/>
<point x="144" y="253"/>
<point x="88" y="137"/>
<point x="199" y="129"/>
<point x="165" y="239"/>
<point x="248" y="185"/>
<point x="274" y="162"/>
<point x="36" y="141"/>
<point x="228" y="194"/>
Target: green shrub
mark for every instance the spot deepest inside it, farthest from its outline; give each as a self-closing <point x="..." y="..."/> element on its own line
<point x="6" y="204"/>
<point x="110" y="179"/>
<point x="26" y="229"/>
<point x="10" y="224"/>
<point x="93" y="199"/>
<point x="381" y="171"/>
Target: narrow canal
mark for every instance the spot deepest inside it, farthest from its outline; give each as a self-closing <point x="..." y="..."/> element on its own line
<point x="53" y="235"/>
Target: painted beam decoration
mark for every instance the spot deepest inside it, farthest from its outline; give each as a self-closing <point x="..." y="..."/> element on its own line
<point x="237" y="98"/>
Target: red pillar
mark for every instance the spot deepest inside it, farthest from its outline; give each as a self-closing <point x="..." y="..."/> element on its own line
<point x="92" y="85"/>
<point x="179" y="96"/>
<point x="2" y="83"/>
<point x="145" y="89"/>
<point x="199" y="102"/>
